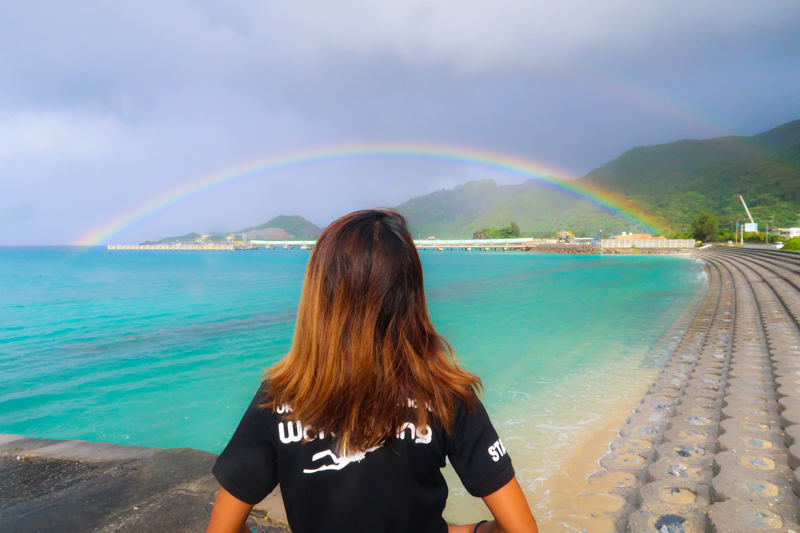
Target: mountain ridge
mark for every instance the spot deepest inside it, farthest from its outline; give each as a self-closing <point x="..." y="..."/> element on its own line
<point x="675" y="182"/>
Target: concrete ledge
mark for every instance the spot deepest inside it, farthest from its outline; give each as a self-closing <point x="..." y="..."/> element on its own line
<point x="4" y="439"/>
<point x="69" y="486"/>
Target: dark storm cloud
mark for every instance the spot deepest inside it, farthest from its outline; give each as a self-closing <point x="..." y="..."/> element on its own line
<point x="106" y="104"/>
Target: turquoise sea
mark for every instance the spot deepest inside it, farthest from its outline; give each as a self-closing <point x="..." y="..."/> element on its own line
<point x="167" y="348"/>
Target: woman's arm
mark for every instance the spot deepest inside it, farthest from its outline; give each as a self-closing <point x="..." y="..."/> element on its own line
<point x="229" y="514"/>
<point x="510" y="510"/>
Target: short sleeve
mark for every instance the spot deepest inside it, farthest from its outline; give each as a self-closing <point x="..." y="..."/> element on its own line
<point x="247" y="467"/>
<point x="477" y="453"/>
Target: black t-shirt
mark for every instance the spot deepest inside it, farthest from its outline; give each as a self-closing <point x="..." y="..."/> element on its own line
<point x="397" y="487"/>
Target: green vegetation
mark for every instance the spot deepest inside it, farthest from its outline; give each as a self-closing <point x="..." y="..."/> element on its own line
<point x="189" y="237"/>
<point x="792" y="245"/>
<point x="681" y="180"/>
<point x="294" y="225"/>
<point x="676" y="182"/>
<point x="509" y="232"/>
<point x="539" y="209"/>
<point x="705" y="227"/>
<point x="280" y="227"/>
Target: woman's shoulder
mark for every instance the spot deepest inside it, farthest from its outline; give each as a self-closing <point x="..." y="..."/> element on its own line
<point x="263" y="401"/>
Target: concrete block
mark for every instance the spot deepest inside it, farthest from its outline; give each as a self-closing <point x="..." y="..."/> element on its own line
<point x="738" y="389"/>
<point x="789" y="402"/>
<point x="692" y="408"/>
<point x="751" y="462"/>
<point x="791" y="435"/>
<point x="676" y="492"/>
<point x="642" y="447"/>
<point x="669" y="519"/>
<point x="691" y="469"/>
<point x="749" y="412"/>
<point x="614" y="481"/>
<point x="646" y="431"/>
<point x="737" y="517"/>
<point x="789" y="417"/>
<point x="649" y="418"/>
<point x="746" y="442"/>
<point x="624" y="462"/>
<point x="678" y="451"/>
<point x="752" y="487"/>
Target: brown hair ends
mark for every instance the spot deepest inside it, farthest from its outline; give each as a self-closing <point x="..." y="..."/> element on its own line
<point x="364" y="344"/>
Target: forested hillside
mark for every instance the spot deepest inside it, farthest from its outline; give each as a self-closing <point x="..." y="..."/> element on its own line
<point x="294" y="226"/>
<point x="538" y="209"/>
<point x="280" y="227"/>
<point x="680" y="180"/>
<point x="675" y="182"/>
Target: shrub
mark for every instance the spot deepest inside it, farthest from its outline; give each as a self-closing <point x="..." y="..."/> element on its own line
<point x="792" y="244"/>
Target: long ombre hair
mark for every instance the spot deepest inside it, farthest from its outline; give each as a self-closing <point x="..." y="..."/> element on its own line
<point x="365" y="350"/>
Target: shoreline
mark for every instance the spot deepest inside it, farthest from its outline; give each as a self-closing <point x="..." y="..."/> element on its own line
<point x="558" y="511"/>
<point x="725" y="406"/>
<point x="573" y="502"/>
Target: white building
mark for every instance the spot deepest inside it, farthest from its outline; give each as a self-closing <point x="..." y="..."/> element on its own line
<point x="788" y="232"/>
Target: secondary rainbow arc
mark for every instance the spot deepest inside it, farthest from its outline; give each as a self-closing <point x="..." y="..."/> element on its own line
<point x="475" y="157"/>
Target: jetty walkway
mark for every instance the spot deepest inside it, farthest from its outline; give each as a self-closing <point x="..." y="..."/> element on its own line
<point x="715" y="443"/>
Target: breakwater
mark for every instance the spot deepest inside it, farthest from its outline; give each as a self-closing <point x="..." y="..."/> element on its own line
<point x="182" y="247"/>
<point x="63" y="486"/>
<point x="715" y="443"/>
<point x="567" y="248"/>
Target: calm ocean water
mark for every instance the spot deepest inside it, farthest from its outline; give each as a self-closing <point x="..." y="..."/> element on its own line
<point x="167" y="348"/>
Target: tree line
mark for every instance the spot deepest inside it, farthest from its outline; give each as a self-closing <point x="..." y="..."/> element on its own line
<point x="509" y="232"/>
<point x="706" y="228"/>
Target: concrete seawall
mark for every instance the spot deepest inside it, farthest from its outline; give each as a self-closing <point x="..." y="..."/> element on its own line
<point x="53" y="486"/>
<point x="715" y="444"/>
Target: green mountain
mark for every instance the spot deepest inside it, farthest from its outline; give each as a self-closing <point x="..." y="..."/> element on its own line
<point x="678" y="181"/>
<point x="293" y="226"/>
<point x="674" y="182"/>
<point x="538" y="208"/>
<point x="189" y="237"/>
<point x="280" y="228"/>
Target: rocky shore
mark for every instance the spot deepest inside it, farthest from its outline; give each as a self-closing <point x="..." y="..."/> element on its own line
<point x="566" y="248"/>
<point x="53" y="486"/>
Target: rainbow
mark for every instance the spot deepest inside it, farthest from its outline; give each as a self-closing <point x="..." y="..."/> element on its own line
<point x="614" y="205"/>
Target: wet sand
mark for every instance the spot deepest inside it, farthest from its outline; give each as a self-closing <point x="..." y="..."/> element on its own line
<point x="556" y="481"/>
<point x="557" y="450"/>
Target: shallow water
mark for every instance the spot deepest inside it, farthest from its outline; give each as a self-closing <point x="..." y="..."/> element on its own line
<point x="166" y="348"/>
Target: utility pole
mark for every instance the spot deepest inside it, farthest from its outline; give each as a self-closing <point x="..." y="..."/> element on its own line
<point x="772" y="218"/>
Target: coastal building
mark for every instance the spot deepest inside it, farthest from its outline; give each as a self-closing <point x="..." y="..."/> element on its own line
<point x="637" y="236"/>
<point x="788" y="232"/>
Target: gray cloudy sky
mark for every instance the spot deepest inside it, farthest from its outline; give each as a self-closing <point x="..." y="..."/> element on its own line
<point x="106" y="105"/>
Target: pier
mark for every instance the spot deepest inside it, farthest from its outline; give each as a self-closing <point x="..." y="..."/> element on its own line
<point x="181" y="247"/>
<point x="426" y="244"/>
<point x="714" y="446"/>
<point x="485" y="245"/>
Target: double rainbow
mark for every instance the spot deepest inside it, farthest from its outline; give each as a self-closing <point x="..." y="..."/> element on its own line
<point x="609" y="203"/>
